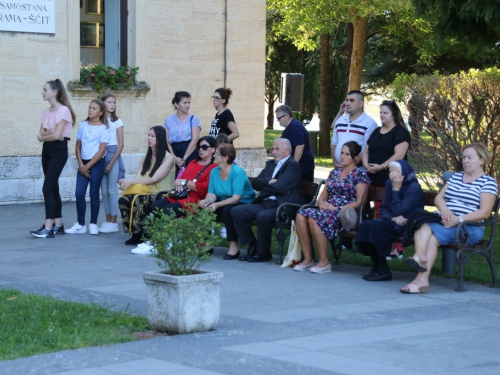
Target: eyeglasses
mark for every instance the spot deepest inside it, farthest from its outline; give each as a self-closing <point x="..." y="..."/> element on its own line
<point x="217" y="154"/>
<point x="279" y="118"/>
<point x="216" y="97"/>
<point x="205" y="147"/>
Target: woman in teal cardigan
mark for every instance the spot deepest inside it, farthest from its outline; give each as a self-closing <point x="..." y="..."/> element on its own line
<point x="228" y="187"/>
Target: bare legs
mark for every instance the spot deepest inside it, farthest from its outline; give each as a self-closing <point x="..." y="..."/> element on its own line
<point x="110" y="218"/>
<point x="307" y="228"/>
<point x="426" y="247"/>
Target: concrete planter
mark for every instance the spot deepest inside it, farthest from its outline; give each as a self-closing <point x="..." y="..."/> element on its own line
<point x="183" y="304"/>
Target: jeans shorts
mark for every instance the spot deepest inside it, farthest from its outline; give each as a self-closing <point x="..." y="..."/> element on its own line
<point x="446" y="236"/>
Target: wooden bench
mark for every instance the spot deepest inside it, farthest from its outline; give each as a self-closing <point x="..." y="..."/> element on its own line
<point x="452" y="254"/>
<point x="284" y="215"/>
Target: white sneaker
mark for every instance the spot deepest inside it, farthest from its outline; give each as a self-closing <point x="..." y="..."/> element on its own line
<point x="144" y="248"/>
<point x="109" y="228"/>
<point x="93" y="229"/>
<point x="76" y="229"/>
<point x="103" y="225"/>
<point x="223" y="233"/>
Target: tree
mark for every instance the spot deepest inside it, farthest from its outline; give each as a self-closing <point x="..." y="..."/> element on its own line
<point x="452" y="111"/>
<point x="303" y="21"/>
<point x="464" y="28"/>
<point x="445" y="36"/>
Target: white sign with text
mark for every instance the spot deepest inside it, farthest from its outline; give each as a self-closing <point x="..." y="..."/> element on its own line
<point x="28" y="16"/>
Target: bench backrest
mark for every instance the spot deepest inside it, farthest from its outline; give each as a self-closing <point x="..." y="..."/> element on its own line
<point x="309" y="189"/>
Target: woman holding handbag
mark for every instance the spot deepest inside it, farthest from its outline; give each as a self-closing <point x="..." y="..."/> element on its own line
<point x="183" y="131"/>
<point x="191" y="187"/>
<point x="194" y="180"/>
<point x="155" y="174"/>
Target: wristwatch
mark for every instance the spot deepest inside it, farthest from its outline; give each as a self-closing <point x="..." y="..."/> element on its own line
<point x="460" y="219"/>
<point x="184" y="183"/>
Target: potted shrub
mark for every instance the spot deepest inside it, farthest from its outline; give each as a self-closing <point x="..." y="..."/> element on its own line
<point x="100" y="76"/>
<point x="182" y="298"/>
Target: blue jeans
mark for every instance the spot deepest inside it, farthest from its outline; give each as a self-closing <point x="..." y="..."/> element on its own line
<point x="109" y="187"/>
<point x="82" y="182"/>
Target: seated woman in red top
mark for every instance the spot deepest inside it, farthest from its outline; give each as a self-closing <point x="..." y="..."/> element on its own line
<point x="199" y="188"/>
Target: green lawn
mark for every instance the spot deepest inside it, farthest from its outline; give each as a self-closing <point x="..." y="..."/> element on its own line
<point x="32" y="324"/>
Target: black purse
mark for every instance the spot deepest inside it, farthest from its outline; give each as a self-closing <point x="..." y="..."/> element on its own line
<point x="179" y="194"/>
<point x="184" y="193"/>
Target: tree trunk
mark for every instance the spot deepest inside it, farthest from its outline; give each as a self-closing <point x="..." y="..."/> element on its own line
<point x="349" y="32"/>
<point x="270" y="115"/>
<point x="358" y="53"/>
<point x="324" y="90"/>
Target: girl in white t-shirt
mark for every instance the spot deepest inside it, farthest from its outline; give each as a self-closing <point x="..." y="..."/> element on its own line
<point x="114" y="169"/>
<point x="91" y="142"/>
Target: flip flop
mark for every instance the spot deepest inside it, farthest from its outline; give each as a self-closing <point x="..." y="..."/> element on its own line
<point x="413" y="289"/>
<point x="415" y="264"/>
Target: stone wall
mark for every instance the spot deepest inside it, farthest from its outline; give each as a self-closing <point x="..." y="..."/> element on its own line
<point x="21" y="177"/>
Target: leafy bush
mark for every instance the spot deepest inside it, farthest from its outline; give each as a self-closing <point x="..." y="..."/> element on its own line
<point x="181" y="243"/>
<point x="451" y="111"/>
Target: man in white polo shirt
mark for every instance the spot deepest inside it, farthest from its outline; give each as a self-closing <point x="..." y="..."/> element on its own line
<point x="355" y="125"/>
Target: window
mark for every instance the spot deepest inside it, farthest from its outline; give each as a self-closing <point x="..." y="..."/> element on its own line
<point x="103" y="32"/>
<point x="91" y="34"/>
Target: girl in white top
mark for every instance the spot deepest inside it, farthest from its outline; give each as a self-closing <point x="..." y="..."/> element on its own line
<point x="114" y="170"/>
<point x="91" y="142"/>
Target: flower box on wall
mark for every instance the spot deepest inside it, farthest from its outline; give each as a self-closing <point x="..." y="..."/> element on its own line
<point x="101" y="77"/>
<point x="87" y="91"/>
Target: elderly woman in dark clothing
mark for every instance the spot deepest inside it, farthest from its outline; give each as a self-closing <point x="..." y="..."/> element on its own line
<point x="403" y="196"/>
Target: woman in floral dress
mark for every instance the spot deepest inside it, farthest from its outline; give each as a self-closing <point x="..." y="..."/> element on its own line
<point x="344" y="188"/>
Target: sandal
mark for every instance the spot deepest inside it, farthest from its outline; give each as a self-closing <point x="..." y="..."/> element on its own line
<point x="413" y="289"/>
<point x="415" y="264"/>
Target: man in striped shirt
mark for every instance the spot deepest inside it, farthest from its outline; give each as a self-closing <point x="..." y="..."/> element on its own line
<point x="355" y="125"/>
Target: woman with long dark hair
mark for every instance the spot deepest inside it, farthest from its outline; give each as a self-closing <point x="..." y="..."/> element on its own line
<point x="195" y="178"/>
<point x="155" y="170"/>
<point x="57" y="121"/>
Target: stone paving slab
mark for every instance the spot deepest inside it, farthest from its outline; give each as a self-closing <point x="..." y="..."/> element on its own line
<point x="274" y="321"/>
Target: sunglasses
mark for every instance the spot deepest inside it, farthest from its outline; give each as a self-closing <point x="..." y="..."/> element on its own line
<point x="205" y="147"/>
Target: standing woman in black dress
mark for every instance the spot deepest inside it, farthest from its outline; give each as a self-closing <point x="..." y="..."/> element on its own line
<point x="224" y="119"/>
<point x="386" y="144"/>
<point x="55" y="129"/>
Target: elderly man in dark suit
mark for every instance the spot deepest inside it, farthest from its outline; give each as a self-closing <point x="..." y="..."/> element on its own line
<point x="279" y="182"/>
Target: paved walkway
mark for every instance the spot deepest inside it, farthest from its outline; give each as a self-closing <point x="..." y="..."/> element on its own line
<point x="273" y="320"/>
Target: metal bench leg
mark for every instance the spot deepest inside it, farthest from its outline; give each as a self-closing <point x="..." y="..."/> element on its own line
<point x="492" y="270"/>
<point x="461" y="273"/>
<point x="336" y="250"/>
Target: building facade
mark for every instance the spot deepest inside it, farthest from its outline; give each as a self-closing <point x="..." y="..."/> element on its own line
<point x="190" y="45"/>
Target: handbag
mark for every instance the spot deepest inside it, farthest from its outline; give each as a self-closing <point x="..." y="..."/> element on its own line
<point x="294" y="249"/>
<point x="184" y="193"/>
<point x="348" y="218"/>
<point x="137" y="189"/>
<point x="179" y="194"/>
